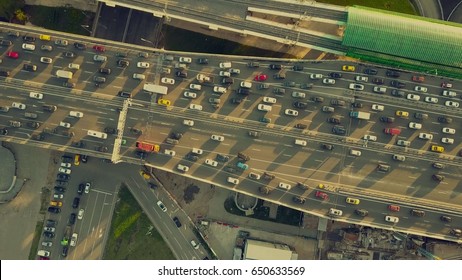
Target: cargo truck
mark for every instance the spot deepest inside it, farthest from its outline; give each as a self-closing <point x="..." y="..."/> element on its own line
<point x="148" y="147"/>
<point x="64" y="74"/>
<point x="360" y="115"/>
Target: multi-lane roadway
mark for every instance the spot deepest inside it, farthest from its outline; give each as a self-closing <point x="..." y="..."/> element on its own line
<point x="274" y="151"/>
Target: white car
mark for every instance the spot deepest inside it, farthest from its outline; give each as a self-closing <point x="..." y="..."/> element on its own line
<point x="446" y="140"/>
<point x="188" y="122"/>
<point x="168" y="81"/>
<point x="225" y="74"/>
<point x="138" y="76"/>
<point x="335" y="212"/>
<point x="189" y="94"/>
<point x="195" y="87"/>
<point x="65" y="165"/>
<point x="233" y="181"/>
<point x="195" y="107"/>
<point x="380" y="89"/>
<point x="362" y="79"/>
<point x="197" y="151"/>
<point x="246" y="84"/>
<point x="168" y="152"/>
<point x="284" y="186"/>
<point x="290" y="112"/>
<point x="225" y="65"/>
<point x="449" y="93"/>
<point x="391" y="219"/>
<point x="65" y="124"/>
<point x="328" y="81"/>
<point x="46" y="60"/>
<point x="194" y="244"/>
<point x="80" y="214"/>
<point x="316" y="76"/>
<point x="414" y="97"/>
<point x="235" y="71"/>
<point x="354" y="86"/>
<point x="218" y="89"/>
<point x="74" y="66"/>
<point x="18" y="105"/>
<point x="370" y="137"/>
<point x="217" y="138"/>
<point x="415" y="125"/>
<point x="270" y="100"/>
<point x="185" y="59"/>
<point x="76" y="114"/>
<point x="211" y="162"/>
<point x="64" y="170"/>
<point x="87" y="187"/>
<point x="50" y="229"/>
<point x="448" y="130"/>
<point x="377" y="107"/>
<point x="420" y="89"/>
<point x="264" y="107"/>
<point x="161" y="206"/>
<point x="182" y="167"/>
<point x="297" y="94"/>
<point x="452" y="104"/>
<point x="431" y="99"/>
<point x="74" y="239"/>
<point x="58" y="196"/>
<point x="36" y="95"/>
<point x="426" y="136"/>
<point x="144" y="65"/>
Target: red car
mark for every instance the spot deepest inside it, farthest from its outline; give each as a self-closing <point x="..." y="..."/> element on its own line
<point x="14" y="55"/>
<point x="419" y="79"/>
<point x="99" y="48"/>
<point x="446" y="85"/>
<point x="261" y="77"/>
<point x="394" y="208"/>
<point x="321" y="195"/>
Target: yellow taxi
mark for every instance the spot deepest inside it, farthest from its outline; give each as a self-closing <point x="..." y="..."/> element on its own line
<point x="350" y="200"/>
<point x="321" y="186"/>
<point x="437" y="149"/>
<point x="145" y="175"/>
<point x="348" y="68"/>
<point x="56" y="203"/>
<point x="402" y="114"/>
<point x="77" y="160"/>
<point x="45" y="37"/>
<point x="164" y="102"/>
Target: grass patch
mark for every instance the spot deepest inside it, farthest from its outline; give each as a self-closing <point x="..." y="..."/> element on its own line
<point x="35" y="242"/>
<point x="132" y="235"/>
<point x="399" y="6"/>
<point x="65" y="19"/>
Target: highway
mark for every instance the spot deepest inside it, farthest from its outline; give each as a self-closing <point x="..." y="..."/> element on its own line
<point x="408" y="183"/>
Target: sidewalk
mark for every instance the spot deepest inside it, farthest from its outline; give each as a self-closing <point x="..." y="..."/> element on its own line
<point x="86" y="5"/>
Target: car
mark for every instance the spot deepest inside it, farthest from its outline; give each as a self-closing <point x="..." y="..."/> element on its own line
<point x="143" y="65"/>
<point x="426" y="136"/>
<point x="300" y="105"/>
<point x="328" y="81"/>
<point x="195" y="107"/>
<point x="334" y="120"/>
<point x="418" y="79"/>
<point x="455" y="232"/>
<point x="46" y="60"/>
<point x="99" y="48"/>
<point x="29" y="39"/>
<point x="402" y="114"/>
<point x="398" y="93"/>
<point x="72" y="218"/>
<point x="123" y="63"/>
<point x="270" y="100"/>
<point x="380" y="90"/>
<point x="446" y="85"/>
<point x="446" y="219"/>
<point x="316" y="76"/>
<point x="105" y="70"/>
<point x="75" y="202"/>
<point x="327" y="109"/>
<point x="350" y="200"/>
<point x="188" y="122"/>
<point x="6" y="43"/>
<point x="47" y="243"/>
<point x="168" y="81"/>
<point x="394" y="208"/>
<point x="264" y="107"/>
<point x="449" y="93"/>
<point x="80" y="214"/>
<point x="275" y="66"/>
<point x="11" y="54"/>
<point x="16" y="124"/>
<point x="217" y="138"/>
<point x="447" y="140"/>
<point x="448" y="130"/>
<point x="194" y="244"/>
<point x="361" y="212"/>
<point x="335" y="212"/>
<point x="392" y="219"/>
<point x="71" y="55"/>
<point x="176" y="135"/>
<point x="211" y="162"/>
<point x="348" y="68"/>
<point x="362" y="79"/>
<point x="87" y="187"/>
<point x="443" y="119"/>
<point x="61" y="42"/>
<point x="413" y="97"/>
<point x="297" y="94"/>
<point x="265" y="120"/>
<point x="340" y="130"/>
<point x="18" y="105"/>
<point x="164" y="102"/>
<point x="53" y="209"/>
<point x="218" y="89"/>
<point x="370" y="71"/>
<point x="50" y="229"/>
<point x="3" y="131"/>
<point x="387" y="119"/>
<point x="253" y="133"/>
<point x="420" y="89"/>
<point x="337" y="102"/>
<point x="453" y="104"/>
<point x="354" y="86"/>
<point x="48" y="234"/>
<point x="261" y="77"/>
<point x="335" y="75"/>
<point x="246" y="85"/>
<point x="435" y="148"/>
<point x="80" y="46"/>
<point x="370" y="137"/>
<point x="377" y="107"/>
<point x="378" y="81"/>
<point x="203" y="61"/>
<point x="437" y="177"/>
<point x="65" y="124"/>
<point x="430" y="99"/>
<point x="59" y="190"/>
<point x="29" y="67"/>
<point x="321" y="195"/>
<point x="254" y="176"/>
<point x="398" y="157"/>
<point x="328" y="147"/>
<point x="393" y="74"/>
<point x="161" y="206"/>
<point x="182" y="59"/>
<point x="181" y="74"/>
<point x="177" y="222"/>
<point x="415" y="125"/>
<point x="182" y="167"/>
<point x="224" y="74"/>
<point x="290" y="112"/>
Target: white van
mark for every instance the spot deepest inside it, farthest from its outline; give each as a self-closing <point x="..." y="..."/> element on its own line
<point x="232" y="180"/>
<point x="43" y="253"/>
<point x="29" y="47"/>
<point x="355" y="153"/>
<point x="74" y="66"/>
<point x="97" y="134"/>
<point x="300" y="142"/>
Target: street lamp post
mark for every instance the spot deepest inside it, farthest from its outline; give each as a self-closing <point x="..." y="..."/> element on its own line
<point x="85" y="27"/>
<point x="147" y="41"/>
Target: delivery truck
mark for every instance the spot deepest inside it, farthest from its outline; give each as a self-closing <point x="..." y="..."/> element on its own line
<point x="64" y="74"/>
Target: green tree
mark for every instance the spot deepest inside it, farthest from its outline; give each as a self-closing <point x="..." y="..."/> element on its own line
<point x="8" y="8"/>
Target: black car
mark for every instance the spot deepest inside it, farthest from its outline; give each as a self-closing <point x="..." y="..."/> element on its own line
<point x="437" y="177"/>
<point x="14" y="34"/>
<point x="327" y="146"/>
<point x="301" y="126"/>
<point x="182" y="74"/>
<point x="79" y="144"/>
<point x="4" y="73"/>
<point x="65" y="250"/>
<point x="33" y="124"/>
<point x="397" y="84"/>
<point x="69" y="84"/>
<point x="340" y="130"/>
<point x="446" y="219"/>
<point x="51" y="223"/>
<point x="62" y="183"/>
<point x="202" y="61"/>
<point x="398" y="93"/>
<point x="335" y="75"/>
<point x="72" y="218"/>
<point x="29" y="39"/>
<point x="392" y="73"/>
<point x="141" y="154"/>
<point x="361" y="212"/>
<point x="298" y="199"/>
<point x="69" y="54"/>
<point x="176" y="135"/>
<point x="227" y="81"/>
<point x="317" y="99"/>
<point x="370" y="71"/>
<point x="177" y="221"/>
<point x="222" y="158"/>
<point x="243" y="91"/>
<point x="63" y="177"/>
<point x="333" y="120"/>
<point x="105" y="70"/>
<point x="3" y="131"/>
<point x="121" y="54"/>
<point x="386" y="119"/>
<point x="84" y="158"/>
<point x="357" y="105"/>
<point x="443" y="119"/>
<point x="75" y="202"/>
<point x="48" y="234"/>
<point x="80" y="189"/>
<point x="243" y="156"/>
<point x="275" y="66"/>
<point x="102" y="149"/>
<point x="336" y="102"/>
<point x="125" y="94"/>
<point x="55" y="210"/>
<point x="378" y="81"/>
<point x="49" y="108"/>
<point x="29" y="67"/>
<point x="300" y="105"/>
<point x="191" y="157"/>
<point x="236" y="100"/>
<point x="6" y="43"/>
<point x="111" y="130"/>
<point x="298" y="67"/>
<point x="80" y="46"/>
<point x="59" y="190"/>
<point x="123" y="63"/>
<point x="421" y="116"/>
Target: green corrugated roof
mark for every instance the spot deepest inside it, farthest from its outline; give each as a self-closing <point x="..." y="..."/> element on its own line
<point x="404" y="36"/>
